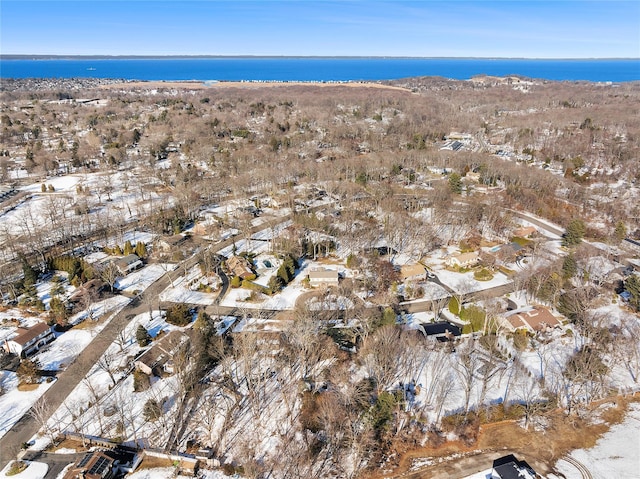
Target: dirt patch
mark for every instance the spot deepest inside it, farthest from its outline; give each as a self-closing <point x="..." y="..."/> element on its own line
<point x="71" y="444"/>
<point x="28" y="386"/>
<point x="150" y="462"/>
<point x="540" y="448"/>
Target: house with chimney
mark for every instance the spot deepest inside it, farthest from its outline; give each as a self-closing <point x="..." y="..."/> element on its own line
<point x="28" y="341"/>
<point x="239" y="266"/>
<point x="99" y="464"/>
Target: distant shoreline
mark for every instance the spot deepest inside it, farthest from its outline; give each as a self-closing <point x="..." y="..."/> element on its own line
<point x="10" y="56"/>
<point x="202" y="85"/>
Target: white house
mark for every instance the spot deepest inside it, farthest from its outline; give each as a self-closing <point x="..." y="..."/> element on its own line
<point x="29" y="340"/>
<point x="323" y="276"/>
<point x="463" y="260"/>
<point x="128" y="263"/>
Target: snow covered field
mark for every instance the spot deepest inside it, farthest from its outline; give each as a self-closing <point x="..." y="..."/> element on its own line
<point x="35" y="470"/>
<point x="57" y="355"/>
<point x="140" y="280"/>
<point x="615" y="455"/>
<point x="463" y="283"/>
<point x="169" y="473"/>
<point x="13" y="403"/>
<point x="181" y="291"/>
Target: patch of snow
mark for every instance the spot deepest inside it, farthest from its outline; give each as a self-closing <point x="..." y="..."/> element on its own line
<point x="140" y="280"/>
<point x="613" y="455"/>
<point x="35" y="470"/>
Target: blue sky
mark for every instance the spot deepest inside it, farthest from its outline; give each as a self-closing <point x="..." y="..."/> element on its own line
<point x="534" y="29"/>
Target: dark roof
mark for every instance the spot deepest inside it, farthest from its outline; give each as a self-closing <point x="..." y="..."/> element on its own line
<point x="508" y="467"/>
<point x="25" y="335"/>
<point x="508" y="471"/>
<point x="456" y="145"/>
<point x="93" y="465"/>
<point x="442" y="327"/>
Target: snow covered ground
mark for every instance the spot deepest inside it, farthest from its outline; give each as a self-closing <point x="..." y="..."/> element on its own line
<point x="140" y="280"/>
<point x="88" y="407"/>
<point x="169" y="473"/>
<point x="58" y="354"/>
<point x="13" y="403"/>
<point x="463" y="283"/>
<point x="35" y="470"/>
<point x="286" y="299"/>
<point x="181" y="291"/>
<point x="614" y="455"/>
<point x="100" y="308"/>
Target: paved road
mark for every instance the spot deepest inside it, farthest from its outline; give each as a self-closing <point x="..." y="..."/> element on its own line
<point x="24" y="429"/>
<point x="427" y="304"/>
<point x="56" y="462"/>
<point x="543" y="225"/>
<point x="27" y="426"/>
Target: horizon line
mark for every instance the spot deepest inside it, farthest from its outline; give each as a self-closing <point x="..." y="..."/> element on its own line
<point x="38" y="56"/>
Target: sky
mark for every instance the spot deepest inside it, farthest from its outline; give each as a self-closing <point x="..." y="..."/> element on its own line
<point x="478" y="28"/>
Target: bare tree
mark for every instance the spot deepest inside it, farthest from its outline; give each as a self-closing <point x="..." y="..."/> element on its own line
<point x="41" y="412"/>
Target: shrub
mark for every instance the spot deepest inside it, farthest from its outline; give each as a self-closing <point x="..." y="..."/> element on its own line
<point x="28" y="371"/>
<point x="475" y="316"/>
<point x="483" y="275"/>
<point x="141" y="381"/>
<point x="152" y="410"/>
<point x="454" y="305"/>
<point x="16" y="466"/>
<point x="235" y="282"/>
<point x="178" y="315"/>
<point x="248" y="284"/>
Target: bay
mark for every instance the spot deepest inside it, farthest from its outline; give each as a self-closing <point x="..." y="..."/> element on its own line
<point x="316" y="69"/>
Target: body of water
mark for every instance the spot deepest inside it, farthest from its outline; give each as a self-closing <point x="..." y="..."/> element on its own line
<point x="317" y="69"/>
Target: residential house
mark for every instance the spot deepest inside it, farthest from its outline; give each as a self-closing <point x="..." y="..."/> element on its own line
<point x="5" y="192"/>
<point x="442" y="330"/>
<point x="90" y="289"/>
<point x="533" y="319"/>
<point x="168" y="243"/>
<point x="128" y="263"/>
<point x="323" y="276"/>
<point x="413" y="272"/>
<point x="631" y="244"/>
<point x="100" y="464"/>
<point x="159" y="357"/>
<point x="509" y="253"/>
<point x="525" y="231"/>
<point x="463" y="260"/>
<point x="239" y="266"/>
<point x="29" y="340"/>
<point x="508" y="467"/>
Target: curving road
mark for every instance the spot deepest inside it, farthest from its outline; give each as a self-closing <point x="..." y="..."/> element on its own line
<point x="582" y="469"/>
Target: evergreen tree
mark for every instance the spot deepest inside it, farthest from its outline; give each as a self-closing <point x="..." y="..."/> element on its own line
<point x="30" y="274"/>
<point x="455" y="183"/>
<point x="142" y="336"/>
<point x="574" y="233"/>
<point x="620" y="232"/>
<point x="569" y="267"/>
<point x="632" y="285"/>
<point x="128" y="248"/>
<point x="141" y="249"/>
